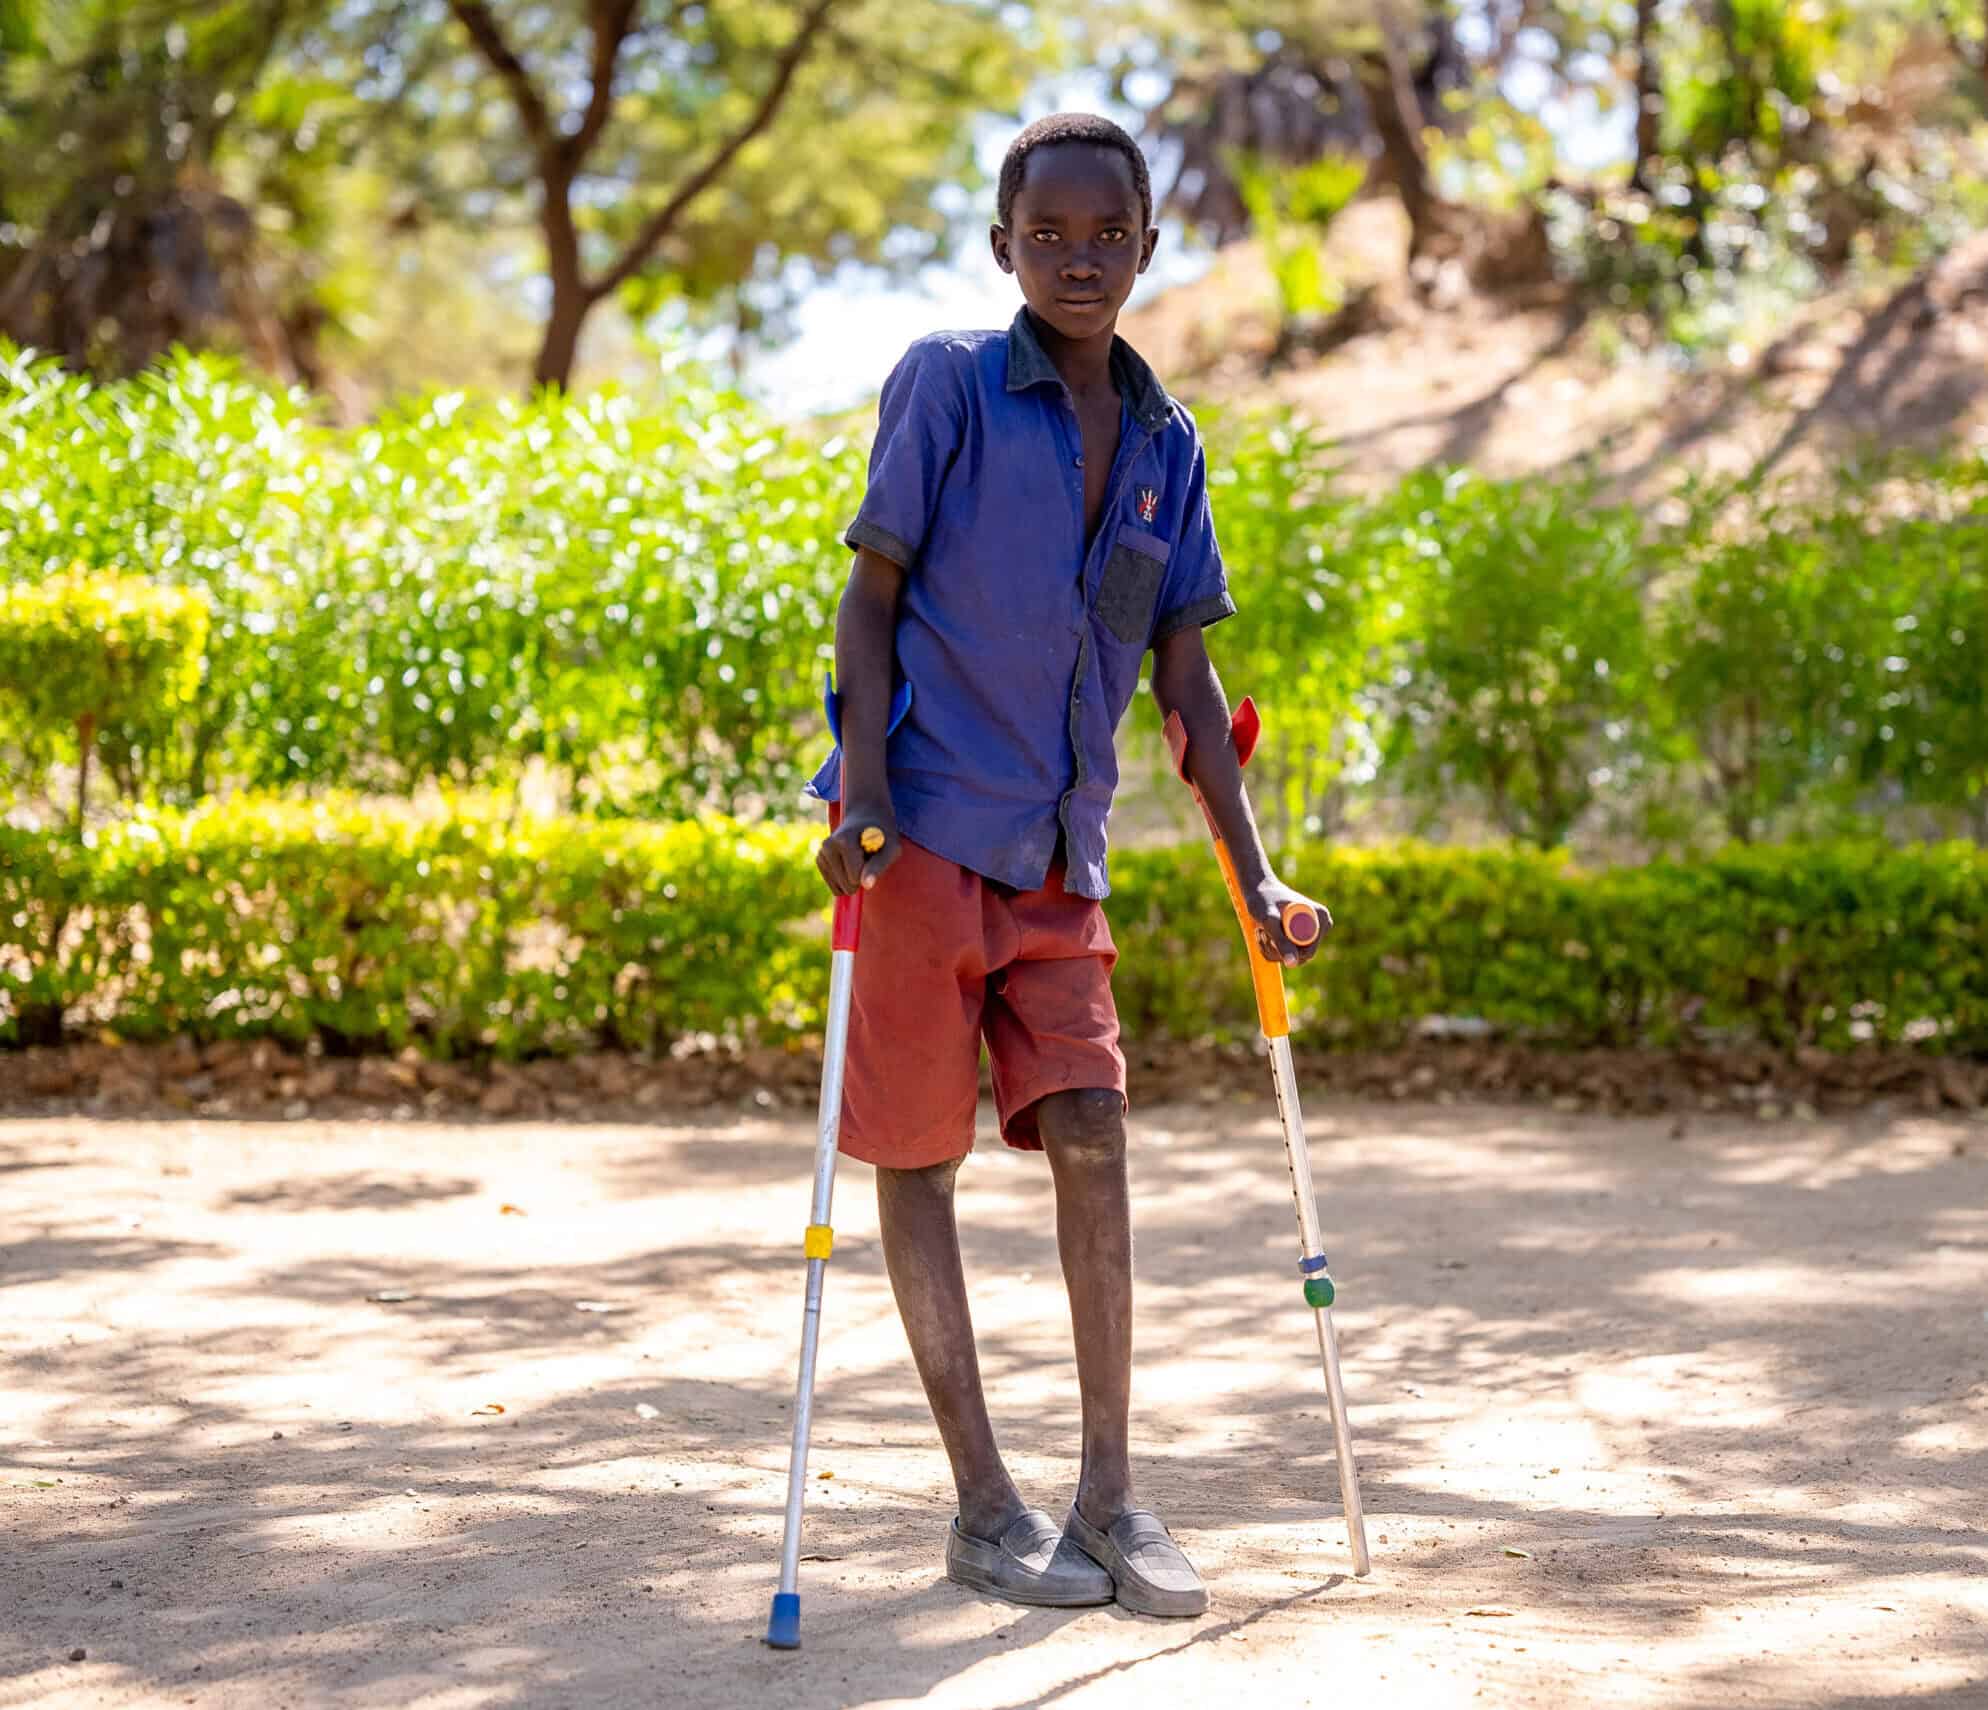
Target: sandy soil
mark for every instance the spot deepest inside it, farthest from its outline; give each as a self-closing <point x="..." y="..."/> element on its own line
<point x="1643" y="1421"/>
<point x="1513" y="388"/>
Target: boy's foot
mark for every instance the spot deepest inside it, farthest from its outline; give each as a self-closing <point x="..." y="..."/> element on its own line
<point x="1031" y="1562"/>
<point x="1150" y="1572"/>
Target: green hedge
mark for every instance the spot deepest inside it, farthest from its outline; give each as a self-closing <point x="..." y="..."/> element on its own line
<point x="472" y="931"/>
<point x="371" y="927"/>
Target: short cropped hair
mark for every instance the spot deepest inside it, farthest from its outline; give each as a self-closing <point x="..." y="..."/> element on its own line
<point x="1071" y="128"/>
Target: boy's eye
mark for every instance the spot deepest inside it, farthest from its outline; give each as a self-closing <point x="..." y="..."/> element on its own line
<point x="1113" y="234"/>
<point x="1044" y="237"/>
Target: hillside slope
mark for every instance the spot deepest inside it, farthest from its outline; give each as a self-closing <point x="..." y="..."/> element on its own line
<point x="1513" y="384"/>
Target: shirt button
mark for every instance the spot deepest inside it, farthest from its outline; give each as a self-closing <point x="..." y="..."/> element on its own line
<point x="1080" y="460"/>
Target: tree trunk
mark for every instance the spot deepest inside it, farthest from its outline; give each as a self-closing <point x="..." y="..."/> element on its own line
<point x="561" y="343"/>
<point x="1397" y="117"/>
<point x="1649" y="96"/>
<point x="571" y="296"/>
<point x="86" y="732"/>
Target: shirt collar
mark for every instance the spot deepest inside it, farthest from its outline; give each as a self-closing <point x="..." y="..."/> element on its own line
<point x="1029" y="365"/>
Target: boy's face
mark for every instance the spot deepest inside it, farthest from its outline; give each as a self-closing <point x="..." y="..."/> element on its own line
<point x="1075" y="239"/>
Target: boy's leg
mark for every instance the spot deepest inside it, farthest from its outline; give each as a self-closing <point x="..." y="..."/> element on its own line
<point x="921" y="1252"/>
<point x="1084" y="1134"/>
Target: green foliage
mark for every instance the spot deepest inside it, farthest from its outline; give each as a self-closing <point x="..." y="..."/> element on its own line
<point x="1290" y="210"/>
<point x="155" y="187"/>
<point x="699" y="162"/>
<point x="79" y="647"/>
<point x="369" y="926"/>
<point x="1747" y="77"/>
<point x="1829" y="945"/>
<point x="1933" y="713"/>
<point x="1799" y="143"/>
<point x="1773" y="661"/>
<point x="88" y="659"/>
<point x="482" y="931"/>
<point x="642" y="594"/>
<point x="1526" y="652"/>
<point x="1313" y="616"/>
<point x="638" y="595"/>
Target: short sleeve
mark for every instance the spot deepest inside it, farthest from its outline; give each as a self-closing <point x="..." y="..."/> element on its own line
<point x="921" y="420"/>
<point x="1196" y="592"/>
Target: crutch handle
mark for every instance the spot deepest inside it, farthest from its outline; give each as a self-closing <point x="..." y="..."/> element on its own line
<point x="1300" y="923"/>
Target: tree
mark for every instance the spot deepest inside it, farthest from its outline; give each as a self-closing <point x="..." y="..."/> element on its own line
<point x="1649" y="98"/>
<point x="1280" y="81"/>
<point x="650" y="140"/>
<point x="124" y="237"/>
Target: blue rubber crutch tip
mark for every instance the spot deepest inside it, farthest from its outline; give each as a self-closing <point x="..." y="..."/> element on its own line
<point x="783" y="1632"/>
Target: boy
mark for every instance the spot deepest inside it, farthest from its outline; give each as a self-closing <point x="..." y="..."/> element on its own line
<point x="1036" y="520"/>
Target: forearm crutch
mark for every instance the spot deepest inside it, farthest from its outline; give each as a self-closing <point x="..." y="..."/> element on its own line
<point x="1301" y="926"/>
<point x="783" y="1628"/>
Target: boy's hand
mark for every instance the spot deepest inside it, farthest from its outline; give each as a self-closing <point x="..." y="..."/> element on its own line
<point x="1267" y="903"/>
<point x="842" y="860"/>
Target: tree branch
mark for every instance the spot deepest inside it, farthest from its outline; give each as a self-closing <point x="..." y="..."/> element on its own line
<point x="475" y="17"/>
<point x="659" y="224"/>
<point x="1974" y="58"/>
<point x="612" y="22"/>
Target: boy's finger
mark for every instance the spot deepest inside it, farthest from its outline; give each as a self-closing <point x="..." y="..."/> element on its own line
<point x="879" y="863"/>
<point x="1272" y="942"/>
<point x="835" y="868"/>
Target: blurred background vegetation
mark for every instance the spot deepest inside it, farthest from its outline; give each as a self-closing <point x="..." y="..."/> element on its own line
<point x="1595" y="390"/>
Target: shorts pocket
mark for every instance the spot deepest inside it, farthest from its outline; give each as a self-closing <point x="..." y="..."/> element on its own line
<point x="1128" y="591"/>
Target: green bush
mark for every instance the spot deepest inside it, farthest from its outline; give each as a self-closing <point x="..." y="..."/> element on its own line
<point x="370" y="926"/>
<point x="1313" y="625"/>
<point x="97" y="660"/>
<point x="1932" y="718"/>
<point x="641" y="593"/>
<point x="1828" y="945"/>
<point x="482" y="931"/>
<point x="1525" y="682"/>
<point x="1773" y="669"/>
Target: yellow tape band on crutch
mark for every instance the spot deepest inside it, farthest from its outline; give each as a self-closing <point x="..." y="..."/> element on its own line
<point x="819" y="1241"/>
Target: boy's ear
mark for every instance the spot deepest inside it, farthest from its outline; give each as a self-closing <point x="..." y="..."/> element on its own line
<point x="997" y="238"/>
<point x="1146" y="244"/>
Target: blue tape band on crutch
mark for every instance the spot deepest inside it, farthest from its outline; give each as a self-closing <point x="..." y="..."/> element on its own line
<point x="1311" y="1267"/>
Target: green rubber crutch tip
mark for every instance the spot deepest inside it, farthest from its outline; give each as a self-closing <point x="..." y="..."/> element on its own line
<point x="1319" y="1291"/>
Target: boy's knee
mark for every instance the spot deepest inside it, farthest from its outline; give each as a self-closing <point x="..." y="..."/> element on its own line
<point x="933" y="1181"/>
<point x="1086" y="1126"/>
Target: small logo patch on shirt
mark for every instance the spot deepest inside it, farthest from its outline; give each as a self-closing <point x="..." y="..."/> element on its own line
<point x="1149" y="503"/>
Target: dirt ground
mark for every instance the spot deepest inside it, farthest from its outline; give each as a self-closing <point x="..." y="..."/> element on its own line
<point x="1642" y="1420"/>
<point x="1514" y="386"/>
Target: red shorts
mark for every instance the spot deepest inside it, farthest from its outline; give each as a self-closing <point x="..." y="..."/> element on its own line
<point x="948" y="958"/>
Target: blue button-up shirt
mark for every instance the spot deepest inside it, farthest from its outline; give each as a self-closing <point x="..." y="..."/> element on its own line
<point x="1023" y="643"/>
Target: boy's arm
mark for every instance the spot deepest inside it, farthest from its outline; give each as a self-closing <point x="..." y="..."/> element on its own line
<point x="1184" y="681"/>
<point x="865" y="650"/>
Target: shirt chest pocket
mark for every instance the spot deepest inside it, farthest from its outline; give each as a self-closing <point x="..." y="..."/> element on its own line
<point x="1131" y="584"/>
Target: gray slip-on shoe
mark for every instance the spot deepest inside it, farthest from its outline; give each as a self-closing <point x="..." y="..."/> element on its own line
<point x="1151" y="1573"/>
<point x="1031" y="1562"/>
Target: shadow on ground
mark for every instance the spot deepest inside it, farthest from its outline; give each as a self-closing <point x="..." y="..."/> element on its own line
<point x="1712" y="1407"/>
